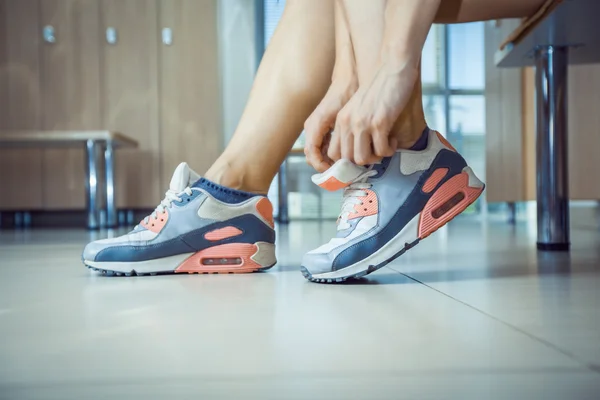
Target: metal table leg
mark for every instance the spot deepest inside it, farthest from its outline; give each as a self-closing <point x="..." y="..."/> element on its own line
<point x="282" y="194"/>
<point x="109" y="165"/>
<point x="91" y="184"/>
<point x="551" y="160"/>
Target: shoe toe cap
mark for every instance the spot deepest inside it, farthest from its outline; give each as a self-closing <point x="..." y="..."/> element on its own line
<point x="317" y="263"/>
<point x="91" y="250"/>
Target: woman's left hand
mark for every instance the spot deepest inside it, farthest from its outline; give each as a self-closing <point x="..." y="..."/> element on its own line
<point x="363" y="125"/>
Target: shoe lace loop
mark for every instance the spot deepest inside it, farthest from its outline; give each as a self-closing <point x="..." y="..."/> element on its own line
<point x="351" y="197"/>
<point x="170" y="197"/>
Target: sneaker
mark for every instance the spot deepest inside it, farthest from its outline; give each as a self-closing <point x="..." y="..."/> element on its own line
<point x="389" y="207"/>
<point x="200" y="227"/>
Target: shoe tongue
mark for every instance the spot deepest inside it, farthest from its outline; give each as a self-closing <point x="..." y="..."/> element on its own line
<point x="341" y="174"/>
<point x="183" y="177"/>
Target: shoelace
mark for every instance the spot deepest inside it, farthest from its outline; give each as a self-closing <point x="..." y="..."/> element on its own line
<point x="351" y="197"/>
<point x="170" y="197"/>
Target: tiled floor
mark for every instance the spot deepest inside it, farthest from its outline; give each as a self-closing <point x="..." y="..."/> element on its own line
<point x="474" y="312"/>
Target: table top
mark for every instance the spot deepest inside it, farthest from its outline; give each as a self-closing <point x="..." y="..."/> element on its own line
<point x="573" y="23"/>
<point x="42" y="138"/>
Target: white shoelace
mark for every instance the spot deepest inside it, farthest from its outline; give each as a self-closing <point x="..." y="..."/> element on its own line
<point x="170" y="197"/>
<point x="351" y="197"/>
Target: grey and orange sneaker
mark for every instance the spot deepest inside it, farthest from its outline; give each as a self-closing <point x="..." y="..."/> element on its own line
<point x="200" y="227"/>
<point x="389" y="207"/>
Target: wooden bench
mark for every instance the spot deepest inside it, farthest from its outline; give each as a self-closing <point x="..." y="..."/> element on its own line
<point x="93" y="142"/>
<point x="282" y="197"/>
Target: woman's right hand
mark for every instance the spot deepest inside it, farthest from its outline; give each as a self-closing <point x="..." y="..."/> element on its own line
<point x="320" y="123"/>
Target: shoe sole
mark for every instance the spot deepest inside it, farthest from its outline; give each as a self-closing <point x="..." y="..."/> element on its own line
<point x="453" y="197"/>
<point x="232" y="258"/>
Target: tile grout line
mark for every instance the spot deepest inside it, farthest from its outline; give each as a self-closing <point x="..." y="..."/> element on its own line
<point x="546" y="343"/>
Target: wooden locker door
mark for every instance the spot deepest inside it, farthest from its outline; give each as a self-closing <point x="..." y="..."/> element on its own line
<point x="584" y="131"/>
<point x="70" y="94"/>
<point x="20" y="169"/>
<point x="506" y="155"/>
<point x="129" y="100"/>
<point x="190" y="106"/>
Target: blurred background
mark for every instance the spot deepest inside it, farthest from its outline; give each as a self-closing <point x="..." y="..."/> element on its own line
<point x="175" y="74"/>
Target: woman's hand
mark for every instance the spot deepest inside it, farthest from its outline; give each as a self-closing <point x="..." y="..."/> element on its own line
<point x="320" y="123"/>
<point x="362" y="127"/>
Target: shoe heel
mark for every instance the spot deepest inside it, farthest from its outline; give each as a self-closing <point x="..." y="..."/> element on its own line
<point x="230" y="258"/>
<point x="452" y="198"/>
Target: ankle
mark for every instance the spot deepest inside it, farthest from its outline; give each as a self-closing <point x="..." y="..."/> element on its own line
<point x="230" y="175"/>
<point x="408" y="133"/>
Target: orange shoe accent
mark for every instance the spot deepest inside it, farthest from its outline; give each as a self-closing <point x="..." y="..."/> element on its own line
<point x="207" y="261"/>
<point x="445" y="141"/>
<point x="333" y="184"/>
<point x="452" y="198"/>
<point x="222" y="233"/>
<point x="369" y="206"/>
<point x="265" y="209"/>
<point x="434" y="179"/>
<point x="156" y="224"/>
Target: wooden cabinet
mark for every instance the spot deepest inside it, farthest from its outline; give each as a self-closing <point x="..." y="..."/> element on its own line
<point x="20" y="108"/>
<point x="510" y="127"/>
<point x="70" y="93"/>
<point x="505" y="153"/>
<point x="129" y="76"/>
<point x="165" y="95"/>
<point x="188" y="123"/>
<point x="584" y="131"/>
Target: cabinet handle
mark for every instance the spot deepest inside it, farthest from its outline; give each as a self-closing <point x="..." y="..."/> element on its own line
<point x="111" y="35"/>
<point x="167" y="36"/>
<point x="48" y="33"/>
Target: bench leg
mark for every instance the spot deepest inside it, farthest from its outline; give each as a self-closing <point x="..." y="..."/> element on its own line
<point x="512" y="212"/>
<point x="91" y="184"/>
<point x="282" y="194"/>
<point x="109" y="163"/>
<point x="551" y="143"/>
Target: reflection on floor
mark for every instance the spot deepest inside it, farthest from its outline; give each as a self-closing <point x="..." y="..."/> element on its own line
<point x="474" y="312"/>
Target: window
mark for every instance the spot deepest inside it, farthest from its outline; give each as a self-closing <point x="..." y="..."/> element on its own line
<point x="453" y="77"/>
<point x="273" y="11"/>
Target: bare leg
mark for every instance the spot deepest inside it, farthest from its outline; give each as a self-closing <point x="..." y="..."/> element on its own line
<point x="411" y="122"/>
<point x="366" y="22"/>
<point x="293" y="77"/>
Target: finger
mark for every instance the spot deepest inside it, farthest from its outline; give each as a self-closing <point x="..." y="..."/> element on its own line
<point x="325" y="149"/>
<point x="316" y="128"/>
<point x="334" y="151"/>
<point x="347" y="146"/>
<point x="363" y="152"/>
<point x="315" y="158"/>
<point x="393" y="145"/>
<point x="381" y="144"/>
<point x="318" y="162"/>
